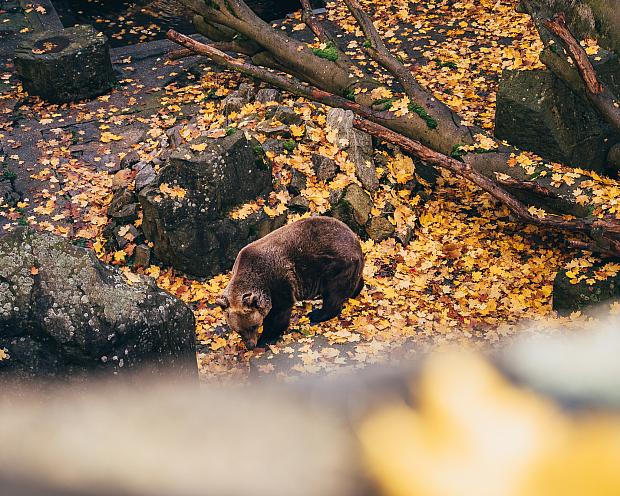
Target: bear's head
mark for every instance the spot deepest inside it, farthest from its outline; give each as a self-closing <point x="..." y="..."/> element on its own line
<point x="245" y="313"/>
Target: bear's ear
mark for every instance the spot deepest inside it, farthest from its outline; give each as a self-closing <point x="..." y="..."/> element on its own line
<point x="250" y="300"/>
<point x="222" y="301"/>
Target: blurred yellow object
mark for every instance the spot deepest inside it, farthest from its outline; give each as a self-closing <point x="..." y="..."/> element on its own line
<point x="473" y="433"/>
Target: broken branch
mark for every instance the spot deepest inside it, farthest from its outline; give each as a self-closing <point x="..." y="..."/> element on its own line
<point x="558" y="26"/>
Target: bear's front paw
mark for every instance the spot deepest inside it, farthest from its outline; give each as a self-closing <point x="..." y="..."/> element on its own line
<point x="319" y="315"/>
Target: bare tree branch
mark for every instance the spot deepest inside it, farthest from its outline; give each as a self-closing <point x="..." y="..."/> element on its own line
<point x="558" y="26"/>
<point x="308" y="17"/>
<point x="596" y="92"/>
<point x="377" y="50"/>
<point x="289" y="84"/>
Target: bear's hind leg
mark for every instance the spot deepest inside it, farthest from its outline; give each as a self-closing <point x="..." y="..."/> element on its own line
<point x="275" y="324"/>
<point x="358" y="289"/>
<point x="337" y="289"/>
<point x="334" y="296"/>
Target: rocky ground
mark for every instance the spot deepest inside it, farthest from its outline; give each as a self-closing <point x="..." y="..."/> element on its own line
<point x="445" y="264"/>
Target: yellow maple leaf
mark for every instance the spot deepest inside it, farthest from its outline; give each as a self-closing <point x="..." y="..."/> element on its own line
<point x="119" y="256"/>
<point x="537" y="212"/>
<point x="174" y="192"/>
<point x="297" y="131"/>
<point x="218" y="343"/>
<point x="107" y="137"/>
<point x="199" y="147"/>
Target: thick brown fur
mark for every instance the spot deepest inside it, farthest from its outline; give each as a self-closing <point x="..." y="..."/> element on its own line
<point x="310" y="258"/>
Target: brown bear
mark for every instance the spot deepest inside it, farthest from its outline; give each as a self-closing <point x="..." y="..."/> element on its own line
<point x="317" y="256"/>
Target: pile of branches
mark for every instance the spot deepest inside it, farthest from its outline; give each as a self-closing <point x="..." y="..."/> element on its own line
<point x="429" y="129"/>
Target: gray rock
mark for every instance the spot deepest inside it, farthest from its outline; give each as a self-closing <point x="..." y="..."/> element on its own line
<point x="233" y="103"/>
<point x="130" y="233"/>
<point x="299" y="204"/>
<point x="335" y="195"/>
<point x="405" y="235"/>
<point x="613" y="157"/>
<point x="123" y="207"/>
<point x="65" y="65"/>
<point x="174" y="135"/>
<point x="246" y="91"/>
<point x="129" y="160"/>
<point x="298" y="182"/>
<point x="195" y="233"/>
<point x="8" y="195"/>
<point x="76" y="315"/>
<point x="537" y="112"/>
<point x="269" y="129"/>
<point x="274" y="146"/>
<point x="142" y="256"/>
<point x="354" y="208"/>
<point x="145" y="177"/>
<point x="379" y="228"/>
<point x="568" y="297"/>
<point x="324" y="167"/>
<point x="357" y="144"/>
<point x="284" y="114"/>
<point x="267" y="95"/>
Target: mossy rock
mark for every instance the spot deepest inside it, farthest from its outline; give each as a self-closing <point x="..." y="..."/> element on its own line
<point x="538" y="113"/>
<point x="568" y="297"/>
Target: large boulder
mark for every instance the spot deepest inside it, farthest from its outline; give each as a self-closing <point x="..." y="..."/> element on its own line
<point x="539" y="113"/>
<point x="193" y="229"/>
<point x="65" y="65"/>
<point x="63" y="312"/>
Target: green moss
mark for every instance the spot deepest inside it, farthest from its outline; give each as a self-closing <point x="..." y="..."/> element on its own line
<point x="386" y="102"/>
<point x="289" y="145"/>
<point x="457" y="151"/>
<point x="81" y="242"/>
<point x="230" y="130"/>
<point x="535" y="175"/>
<point x="441" y="63"/>
<point x="240" y="37"/>
<point x="229" y="8"/>
<point x="349" y="95"/>
<point x="430" y="122"/>
<point x="260" y="161"/>
<point x="9" y="175"/>
<point x="330" y="52"/>
<point x="367" y="44"/>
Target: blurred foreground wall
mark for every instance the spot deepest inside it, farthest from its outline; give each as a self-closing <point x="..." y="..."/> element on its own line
<point x="542" y="418"/>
